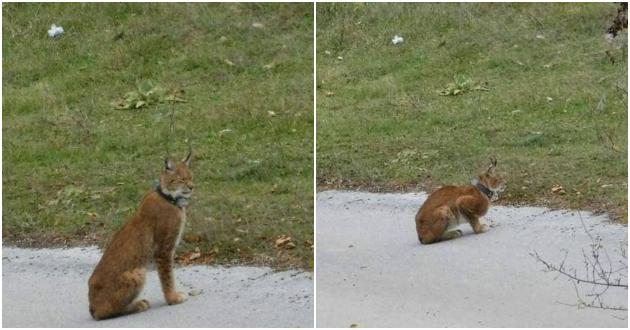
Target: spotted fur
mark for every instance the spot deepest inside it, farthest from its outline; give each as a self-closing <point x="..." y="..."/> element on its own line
<point x="150" y="237"/>
<point x="449" y="206"/>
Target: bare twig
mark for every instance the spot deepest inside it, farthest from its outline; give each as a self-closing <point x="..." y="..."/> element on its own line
<point x="600" y="276"/>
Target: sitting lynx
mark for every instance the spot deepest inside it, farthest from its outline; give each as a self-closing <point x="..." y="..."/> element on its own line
<point x="150" y="236"/>
<point x="449" y="206"/>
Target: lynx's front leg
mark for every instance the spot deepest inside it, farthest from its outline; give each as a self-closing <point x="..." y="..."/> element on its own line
<point x="167" y="277"/>
<point x="477" y="226"/>
<point x="465" y="205"/>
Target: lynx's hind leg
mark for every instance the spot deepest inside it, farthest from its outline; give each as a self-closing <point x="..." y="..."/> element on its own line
<point x="134" y="281"/>
<point x="442" y="218"/>
<point x="116" y="298"/>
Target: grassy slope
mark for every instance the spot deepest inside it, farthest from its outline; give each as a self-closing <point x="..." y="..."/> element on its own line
<point x="386" y="127"/>
<point x="62" y="140"/>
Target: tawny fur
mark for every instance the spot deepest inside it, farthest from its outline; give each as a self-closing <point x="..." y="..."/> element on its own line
<point x="449" y="206"/>
<point x="151" y="236"/>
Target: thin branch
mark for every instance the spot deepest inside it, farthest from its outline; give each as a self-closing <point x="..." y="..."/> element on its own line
<point x="573" y="277"/>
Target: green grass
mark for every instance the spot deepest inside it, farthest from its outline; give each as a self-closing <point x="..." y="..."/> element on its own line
<point x="382" y="125"/>
<point x="68" y="152"/>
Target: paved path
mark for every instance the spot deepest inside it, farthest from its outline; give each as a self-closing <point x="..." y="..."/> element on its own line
<point x="48" y="288"/>
<point x="372" y="271"/>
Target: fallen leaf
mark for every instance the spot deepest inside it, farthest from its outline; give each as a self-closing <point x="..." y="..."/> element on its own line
<point x="558" y="190"/>
<point x="185" y="259"/>
<point x="283" y="240"/>
<point x="228" y="62"/>
<point x="340" y="57"/>
<point x="354" y="325"/>
<point x="195" y="255"/>
<point x="258" y="25"/>
<point x="270" y="65"/>
<point x="223" y="39"/>
<point x="193" y="238"/>
<point x="308" y="244"/>
<point x="92" y="215"/>
<point x="195" y="292"/>
<point x="271" y="113"/>
<point x="329" y="93"/>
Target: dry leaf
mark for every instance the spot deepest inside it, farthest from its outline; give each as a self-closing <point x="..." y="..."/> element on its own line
<point x="308" y="244"/>
<point x="354" y="325"/>
<point x="92" y="216"/>
<point x="195" y="292"/>
<point x="270" y="65"/>
<point x="558" y="190"/>
<point x="185" y="259"/>
<point x="271" y="113"/>
<point x="329" y="93"/>
<point x="223" y="39"/>
<point x="196" y="254"/>
<point x="283" y="241"/>
<point x="228" y="62"/>
<point x="258" y="25"/>
<point x="193" y="238"/>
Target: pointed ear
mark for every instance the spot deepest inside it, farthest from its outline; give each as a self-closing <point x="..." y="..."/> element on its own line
<point x="493" y="164"/>
<point x="189" y="157"/>
<point x="168" y="164"/>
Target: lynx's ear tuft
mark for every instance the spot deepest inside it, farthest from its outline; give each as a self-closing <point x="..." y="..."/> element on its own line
<point x="493" y="164"/>
<point x="189" y="157"/>
<point x="168" y="164"/>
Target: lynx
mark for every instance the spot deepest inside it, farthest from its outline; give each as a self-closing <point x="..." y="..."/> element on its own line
<point x="450" y="206"/>
<point x="149" y="237"/>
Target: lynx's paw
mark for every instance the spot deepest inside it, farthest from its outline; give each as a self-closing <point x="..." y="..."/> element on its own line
<point x="177" y="298"/>
<point x="142" y="305"/>
<point x="484" y="228"/>
<point x="137" y="307"/>
<point x="452" y="234"/>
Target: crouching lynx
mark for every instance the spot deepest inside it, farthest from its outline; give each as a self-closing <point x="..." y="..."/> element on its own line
<point x="150" y="236"/>
<point x="449" y="206"/>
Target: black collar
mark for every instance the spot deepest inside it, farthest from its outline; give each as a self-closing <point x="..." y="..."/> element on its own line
<point x="168" y="198"/>
<point x="485" y="190"/>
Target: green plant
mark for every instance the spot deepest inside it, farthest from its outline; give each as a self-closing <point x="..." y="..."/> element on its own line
<point x="148" y="93"/>
<point x="462" y="85"/>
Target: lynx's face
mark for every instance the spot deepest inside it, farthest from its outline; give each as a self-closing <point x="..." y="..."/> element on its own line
<point x="176" y="179"/>
<point x="491" y="179"/>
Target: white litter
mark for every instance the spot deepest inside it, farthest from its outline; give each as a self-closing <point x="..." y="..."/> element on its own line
<point x="397" y="40"/>
<point x="55" y="31"/>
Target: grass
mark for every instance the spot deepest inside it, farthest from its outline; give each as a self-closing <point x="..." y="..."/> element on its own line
<point x="75" y="167"/>
<point x="554" y="96"/>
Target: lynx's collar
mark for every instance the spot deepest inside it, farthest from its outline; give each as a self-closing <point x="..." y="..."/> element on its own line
<point x="179" y="201"/>
<point x="485" y="190"/>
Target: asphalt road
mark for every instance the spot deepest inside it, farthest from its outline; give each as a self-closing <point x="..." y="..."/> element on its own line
<point x="48" y="288"/>
<point x="373" y="272"/>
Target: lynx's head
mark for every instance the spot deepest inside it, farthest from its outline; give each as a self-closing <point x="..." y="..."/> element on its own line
<point x="493" y="181"/>
<point x="176" y="179"/>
